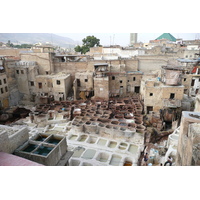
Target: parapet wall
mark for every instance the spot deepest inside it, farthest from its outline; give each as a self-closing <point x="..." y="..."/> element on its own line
<point x="10" y="142"/>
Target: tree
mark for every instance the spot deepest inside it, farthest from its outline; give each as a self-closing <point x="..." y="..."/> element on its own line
<point x="88" y="42"/>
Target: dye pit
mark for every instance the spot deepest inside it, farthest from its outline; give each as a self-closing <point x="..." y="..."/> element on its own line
<point x="92" y="150"/>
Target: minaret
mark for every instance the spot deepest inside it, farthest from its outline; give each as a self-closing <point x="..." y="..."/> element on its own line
<point x="133" y="38"/>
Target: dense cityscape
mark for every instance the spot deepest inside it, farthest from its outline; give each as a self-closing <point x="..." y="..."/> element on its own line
<point x="95" y="105"/>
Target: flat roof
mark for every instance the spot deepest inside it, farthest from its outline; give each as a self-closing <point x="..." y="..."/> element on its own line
<point x="71" y="55"/>
<point x="100" y="64"/>
<point x="7" y="159"/>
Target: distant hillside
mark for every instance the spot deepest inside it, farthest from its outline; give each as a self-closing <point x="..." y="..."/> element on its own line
<point x="32" y="38"/>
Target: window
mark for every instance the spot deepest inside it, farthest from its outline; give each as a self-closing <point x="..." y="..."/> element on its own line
<point x="6" y="89"/>
<point x="78" y="82"/>
<point x="17" y="71"/>
<point x="149" y="109"/>
<point x="86" y="80"/>
<point x="192" y="83"/>
<point x="22" y="71"/>
<point x="121" y="87"/>
<point x="1" y="90"/>
<point x="133" y="78"/>
<point x="120" y="81"/>
<point x="113" y="77"/>
<point x="186" y="56"/>
<point x="172" y="96"/>
<point x="0" y="82"/>
<point x="4" y="80"/>
<point x="199" y="79"/>
<point x="185" y="79"/>
<point x="137" y="89"/>
<point x="47" y="72"/>
<point x="128" y="81"/>
<point x="151" y="94"/>
<point x="185" y="91"/>
<point x="58" y="82"/>
<point x="32" y="83"/>
<point x="40" y="85"/>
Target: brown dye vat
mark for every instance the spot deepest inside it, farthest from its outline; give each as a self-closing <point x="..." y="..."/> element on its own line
<point x="104" y="120"/>
<point x="140" y="128"/>
<point x="107" y="112"/>
<point x="88" y="123"/>
<point x="99" y="112"/>
<point x="132" y="125"/>
<point x="118" y="116"/>
<point x="109" y="126"/>
<point x="122" y="129"/>
<point x="116" y="127"/>
<point x="103" y="107"/>
<point x="97" y="115"/>
<point x="80" y="122"/>
<point x="127" y="163"/>
<point x="128" y="116"/>
<point x="101" y="125"/>
<point x="85" y="118"/>
<point x="115" y="122"/>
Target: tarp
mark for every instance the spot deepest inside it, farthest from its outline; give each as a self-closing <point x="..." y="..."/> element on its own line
<point x="172" y="77"/>
<point x="194" y="70"/>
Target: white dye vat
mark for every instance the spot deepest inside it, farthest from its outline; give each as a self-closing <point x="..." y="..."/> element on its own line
<point x="112" y="144"/>
<point x="102" y="157"/>
<point x="102" y="142"/>
<point x="78" y="152"/>
<point x="82" y="138"/>
<point x="89" y="154"/>
<point x="74" y="162"/>
<point x="123" y="146"/>
<point x="86" y="164"/>
<point x="115" y="160"/>
<point x="133" y="149"/>
<point x="73" y="137"/>
<point x="92" y="139"/>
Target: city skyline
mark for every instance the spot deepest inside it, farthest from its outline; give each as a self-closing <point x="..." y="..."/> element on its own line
<point x="123" y="39"/>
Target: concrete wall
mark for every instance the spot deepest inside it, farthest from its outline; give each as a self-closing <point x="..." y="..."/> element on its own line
<point x="44" y="61"/>
<point x="12" y="52"/>
<point x="189" y="140"/>
<point x="101" y="87"/>
<point x="8" y="143"/>
<point x="4" y="142"/>
<point x="63" y="87"/>
<point x="149" y="63"/>
<point x="4" y="93"/>
<point x="17" y="139"/>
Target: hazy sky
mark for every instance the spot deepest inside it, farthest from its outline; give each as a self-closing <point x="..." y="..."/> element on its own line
<point x="123" y="39"/>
